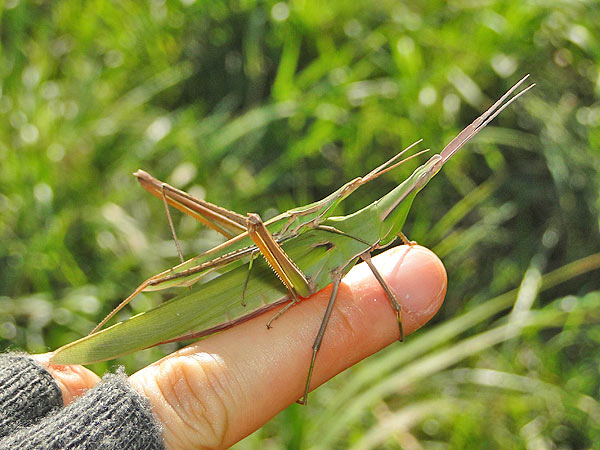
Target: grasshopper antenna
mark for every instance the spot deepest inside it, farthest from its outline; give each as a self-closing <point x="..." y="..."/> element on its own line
<point x="479" y="123"/>
<point x="380" y="170"/>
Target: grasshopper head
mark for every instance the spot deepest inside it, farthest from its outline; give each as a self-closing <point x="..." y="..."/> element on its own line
<point x="427" y="171"/>
<point x="395" y="205"/>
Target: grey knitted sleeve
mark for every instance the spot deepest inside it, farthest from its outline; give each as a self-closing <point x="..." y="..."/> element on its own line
<point x="27" y="393"/>
<point x="112" y="415"/>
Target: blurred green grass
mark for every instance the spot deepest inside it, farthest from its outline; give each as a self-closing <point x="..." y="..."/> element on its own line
<point x="263" y="106"/>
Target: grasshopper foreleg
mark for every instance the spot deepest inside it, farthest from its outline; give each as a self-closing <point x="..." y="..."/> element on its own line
<point x="366" y="257"/>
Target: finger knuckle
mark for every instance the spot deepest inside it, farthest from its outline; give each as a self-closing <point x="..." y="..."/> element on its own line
<point x="195" y="389"/>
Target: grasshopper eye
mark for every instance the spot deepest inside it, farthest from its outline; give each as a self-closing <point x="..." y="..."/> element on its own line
<point x="326" y="245"/>
<point x="421" y="180"/>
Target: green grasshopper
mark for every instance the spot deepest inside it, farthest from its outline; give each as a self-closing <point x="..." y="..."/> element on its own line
<point x="306" y="247"/>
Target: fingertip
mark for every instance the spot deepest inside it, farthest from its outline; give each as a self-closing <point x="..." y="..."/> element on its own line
<point x="73" y="380"/>
<point x="420" y="276"/>
<point x="416" y="276"/>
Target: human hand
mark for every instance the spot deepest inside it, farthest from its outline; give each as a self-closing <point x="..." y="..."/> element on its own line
<point x="220" y="389"/>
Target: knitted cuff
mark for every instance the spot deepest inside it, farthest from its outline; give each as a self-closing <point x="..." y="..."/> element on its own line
<point x="27" y="392"/>
<point x="112" y="415"/>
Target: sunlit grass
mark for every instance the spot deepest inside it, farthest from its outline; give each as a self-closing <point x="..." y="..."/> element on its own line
<point x="264" y="106"/>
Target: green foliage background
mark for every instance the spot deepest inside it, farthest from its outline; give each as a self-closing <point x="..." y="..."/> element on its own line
<point x="263" y="106"/>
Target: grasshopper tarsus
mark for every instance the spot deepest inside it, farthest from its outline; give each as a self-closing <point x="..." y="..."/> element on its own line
<point x="281" y="312"/>
<point x="399" y="318"/>
<point x="304" y="399"/>
<point x="405" y="240"/>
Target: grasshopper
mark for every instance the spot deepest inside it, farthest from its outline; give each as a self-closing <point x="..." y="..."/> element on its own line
<point x="306" y="247"/>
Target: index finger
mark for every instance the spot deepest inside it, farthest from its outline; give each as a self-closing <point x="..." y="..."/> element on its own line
<point x="218" y="390"/>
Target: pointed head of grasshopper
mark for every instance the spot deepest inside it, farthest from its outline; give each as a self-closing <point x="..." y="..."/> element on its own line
<point x="395" y="205"/>
<point x="426" y="172"/>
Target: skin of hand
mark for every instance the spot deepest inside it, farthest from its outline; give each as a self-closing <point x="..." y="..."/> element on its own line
<point x="218" y="390"/>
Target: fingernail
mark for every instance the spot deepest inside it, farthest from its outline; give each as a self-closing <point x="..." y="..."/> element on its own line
<point x="419" y="281"/>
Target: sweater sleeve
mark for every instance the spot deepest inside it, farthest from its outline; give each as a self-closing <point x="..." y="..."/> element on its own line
<point x="112" y="415"/>
<point x="27" y="392"/>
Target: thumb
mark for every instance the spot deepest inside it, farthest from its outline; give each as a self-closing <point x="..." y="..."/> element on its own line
<point x="72" y="380"/>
